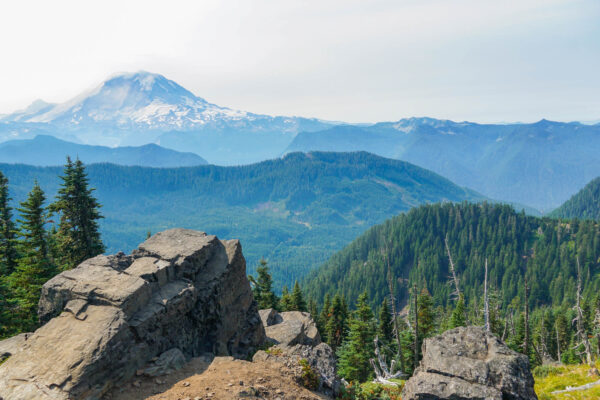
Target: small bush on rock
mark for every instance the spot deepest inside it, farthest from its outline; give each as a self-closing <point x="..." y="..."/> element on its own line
<point x="309" y="378"/>
<point x="371" y="391"/>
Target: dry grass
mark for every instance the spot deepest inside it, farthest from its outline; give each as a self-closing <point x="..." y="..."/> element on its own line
<point x="559" y="377"/>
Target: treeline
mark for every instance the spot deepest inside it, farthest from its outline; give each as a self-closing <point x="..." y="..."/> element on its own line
<point x="585" y="204"/>
<point x="543" y="284"/>
<point x="44" y="240"/>
<point x="567" y="334"/>
<point x="411" y="247"/>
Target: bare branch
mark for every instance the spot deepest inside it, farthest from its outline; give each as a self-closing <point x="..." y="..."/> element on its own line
<point x="579" y="319"/>
<point x="582" y="387"/>
<point x="452" y="269"/>
<point x="486" y="299"/>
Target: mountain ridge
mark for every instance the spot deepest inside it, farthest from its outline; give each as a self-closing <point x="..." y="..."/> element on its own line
<point x="294" y="211"/>
<point x="584" y="204"/>
<point x="142" y="107"/>
<point x="47" y="150"/>
<point x="540" y="164"/>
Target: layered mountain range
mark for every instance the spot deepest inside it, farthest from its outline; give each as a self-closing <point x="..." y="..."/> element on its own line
<point x="45" y="150"/>
<point x="141" y="108"/>
<point x="294" y="211"/>
<point x="538" y="164"/>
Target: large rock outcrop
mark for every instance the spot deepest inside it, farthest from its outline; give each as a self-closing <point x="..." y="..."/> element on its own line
<point x="470" y="364"/>
<point x="111" y="315"/>
<point x="295" y="336"/>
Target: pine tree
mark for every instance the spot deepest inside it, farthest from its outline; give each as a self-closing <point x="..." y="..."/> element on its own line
<point x="385" y="328"/>
<point x="298" y="302"/>
<point x="385" y="331"/>
<point x="323" y="317"/>
<point x="78" y="236"/>
<point x="338" y="322"/>
<point x="357" y="349"/>
<point x="285" y="303"/>
<point x="8" y="251"/>
<point x="263" y="287"/>
<point x="458" y="315"/>
<point x="34" y="267"/>
<point x="426" y="315"/>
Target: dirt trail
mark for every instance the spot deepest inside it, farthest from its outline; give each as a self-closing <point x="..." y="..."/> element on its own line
<point x="225" y="378"/>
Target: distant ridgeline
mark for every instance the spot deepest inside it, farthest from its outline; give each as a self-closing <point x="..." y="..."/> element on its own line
<point x="515" y="245"/>
<point x="585" y="204"/>
<point x="295" y="211"/>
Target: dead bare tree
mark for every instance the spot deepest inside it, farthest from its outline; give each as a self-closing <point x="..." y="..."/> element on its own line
<point x="452" y="270"/>
<point x="583" y="337"/>
<point x="526" y="343"/>
<point x="573" y="389"/>
<point x="558" y="345"/>
<point x="507" y="321"/>
<point x="486" y="307"/>
<point x="416" y="343"/>
<point x="393" y="303"/>
<point x="383" y="374"/>
<point x="543" y="351"/>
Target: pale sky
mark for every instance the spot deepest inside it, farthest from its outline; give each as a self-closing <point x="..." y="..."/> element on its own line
<point x="355" y="61"/>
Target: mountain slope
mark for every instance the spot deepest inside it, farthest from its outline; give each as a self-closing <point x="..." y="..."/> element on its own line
<point x="46" y="150"/>
<point x="141" y="108"/>
<point x="414" y="243"/>
<point x="585" y="204"/>
<point x="540" y="164"/>
<point x="295" y="211"/>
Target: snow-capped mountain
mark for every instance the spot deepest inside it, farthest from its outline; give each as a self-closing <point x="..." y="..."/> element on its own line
<point x="141" y="99"/>
<point x="140" y="108"/>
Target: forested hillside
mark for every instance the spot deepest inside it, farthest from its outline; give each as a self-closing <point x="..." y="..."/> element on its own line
<point x="539" y="164"/>
<point x="585" y="204"/>
<point x="516" y="245"/>
<point x="294" y="211"/>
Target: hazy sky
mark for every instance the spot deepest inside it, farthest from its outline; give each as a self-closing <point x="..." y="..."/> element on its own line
<point x="340" y="60"/>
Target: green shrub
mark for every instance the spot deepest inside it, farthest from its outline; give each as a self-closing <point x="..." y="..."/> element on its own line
<point x="371" y="391"/>
<point x="542" y="371"/>
<point x="309" y="378"/>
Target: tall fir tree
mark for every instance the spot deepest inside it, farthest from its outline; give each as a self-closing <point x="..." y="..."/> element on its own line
<point x="337" y="325"/>
<point x="8" y="251"/>
<point x="385" y="328"/>
<point x="34" y="267"/>
<point x="298" y="302"/>
<point x="263" y="287"/>
<point x="323" y="317"/>
<point x="285" y="303"/>
<point x="358" y="347"/>
<point x="78" y="236"/>
<point x="385" y="331"/>
<point x="458" y="315"/>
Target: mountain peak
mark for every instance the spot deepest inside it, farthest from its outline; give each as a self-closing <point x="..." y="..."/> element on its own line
<point x="130" y="100"/>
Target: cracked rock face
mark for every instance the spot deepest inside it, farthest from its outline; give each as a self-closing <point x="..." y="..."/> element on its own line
<point x="181" y="289"/>
<point x="470" y="364"/>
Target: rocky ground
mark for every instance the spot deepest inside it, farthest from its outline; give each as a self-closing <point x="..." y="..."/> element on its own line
<point x="225" y="378"/>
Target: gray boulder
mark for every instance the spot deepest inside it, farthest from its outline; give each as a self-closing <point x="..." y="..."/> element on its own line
<point x="295" y="337"/>
<point x="291" y="328"/>
<point x="112" y="315"/>
<point x="470" y="363"/>
<point x="269" y="317"/>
